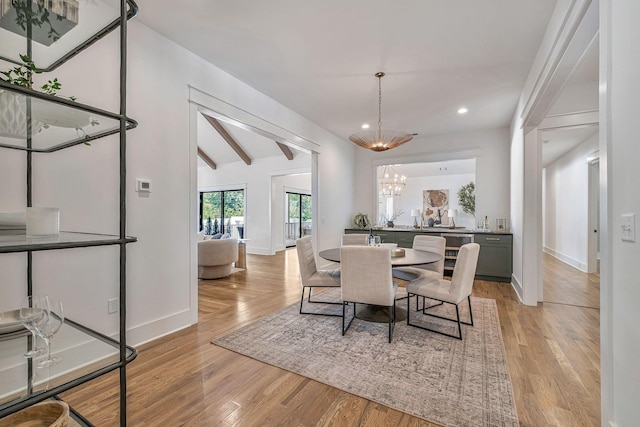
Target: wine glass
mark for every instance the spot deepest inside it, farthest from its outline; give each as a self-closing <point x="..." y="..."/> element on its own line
<point x="48" y="325"/>
<point x="30" y="312"/>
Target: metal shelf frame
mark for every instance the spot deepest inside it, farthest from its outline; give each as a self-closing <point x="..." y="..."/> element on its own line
<point x="128" y="9"/>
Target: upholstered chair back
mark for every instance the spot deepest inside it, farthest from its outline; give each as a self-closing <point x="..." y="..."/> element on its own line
<point x="354" y="239"/>
<point x="306" y="260"/>
<point x="464" y="272"/>
<point x="366" y="275"/>
<point x="432" y="244"/>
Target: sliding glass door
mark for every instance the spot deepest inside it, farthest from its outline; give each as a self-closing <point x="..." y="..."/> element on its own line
<point x="298" y="220"/>
<point x="222" y="212"/>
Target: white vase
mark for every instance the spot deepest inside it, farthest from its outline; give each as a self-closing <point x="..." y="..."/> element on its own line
<point x="13" y="116"/>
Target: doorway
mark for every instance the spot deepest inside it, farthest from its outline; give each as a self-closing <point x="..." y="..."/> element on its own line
<point x="299" y="217"/>
<point x="593" y="264"/>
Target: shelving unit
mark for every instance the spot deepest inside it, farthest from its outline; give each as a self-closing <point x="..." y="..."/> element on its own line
<point x="452" y="247"/>
<point x="75" y="124"/>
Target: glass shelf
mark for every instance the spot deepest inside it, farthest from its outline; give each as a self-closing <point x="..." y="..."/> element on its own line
<point x="64" y="240"/>
<point x="55" y="123"/>
<point x="69" y="27"/>
<point x="86" y="354"/>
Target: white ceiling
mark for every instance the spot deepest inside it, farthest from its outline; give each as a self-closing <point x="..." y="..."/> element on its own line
<point x="319" y="58"/>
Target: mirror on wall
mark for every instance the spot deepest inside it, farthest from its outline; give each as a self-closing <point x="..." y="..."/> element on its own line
<point x="413" y="193"/>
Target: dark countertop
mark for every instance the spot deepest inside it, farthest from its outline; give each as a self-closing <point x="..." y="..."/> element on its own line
<point x="431" y="230"/>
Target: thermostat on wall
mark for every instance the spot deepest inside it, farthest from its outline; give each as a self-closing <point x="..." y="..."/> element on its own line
<point x="143" y="185"/>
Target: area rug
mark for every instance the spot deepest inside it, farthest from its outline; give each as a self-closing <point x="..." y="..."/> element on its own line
<point x="433" y="377"/>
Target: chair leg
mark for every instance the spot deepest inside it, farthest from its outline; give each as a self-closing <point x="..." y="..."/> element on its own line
<point x="392" y="319"/>
<point x="315" y="302"/>
<point x="344" y="315"/>
<point x="302" y="299"/>
<point x="457" y="320"/>
<point x="459" y="326"/>
<point x="470" y="311"/>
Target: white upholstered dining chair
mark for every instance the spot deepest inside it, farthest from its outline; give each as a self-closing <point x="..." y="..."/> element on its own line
<point x="354" y="239"/>
<point x="434" y="244"/>
<point x="366" y="279"/>
<point x="311" y="277"/>
<point x="451" y="292"/>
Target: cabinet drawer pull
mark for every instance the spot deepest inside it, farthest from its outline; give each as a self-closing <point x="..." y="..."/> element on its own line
<point x="492" y="238"/>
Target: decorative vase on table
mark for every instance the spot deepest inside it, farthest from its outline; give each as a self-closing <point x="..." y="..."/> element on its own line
<point x="390" y="224"/>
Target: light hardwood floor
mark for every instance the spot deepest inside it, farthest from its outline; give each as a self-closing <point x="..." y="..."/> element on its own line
<point x="183" y="380"/>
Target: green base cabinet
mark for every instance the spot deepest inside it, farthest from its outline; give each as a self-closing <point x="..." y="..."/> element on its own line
<point x="495" y="261"/>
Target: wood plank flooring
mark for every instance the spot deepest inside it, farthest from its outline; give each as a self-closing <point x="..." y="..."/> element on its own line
<point x="183" y="380"/>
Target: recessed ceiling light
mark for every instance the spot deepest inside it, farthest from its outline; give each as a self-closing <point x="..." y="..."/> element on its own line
<point x="463" y="110"/>
<point x="365" y="126"/>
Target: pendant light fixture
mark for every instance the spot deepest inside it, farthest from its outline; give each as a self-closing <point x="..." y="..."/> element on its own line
<point x="391" y="183"/>
<point x="380" y="139"/>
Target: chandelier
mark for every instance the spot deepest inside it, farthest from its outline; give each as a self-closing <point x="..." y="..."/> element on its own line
<point x="380" y="139"/>
<point x="391" y="184"/>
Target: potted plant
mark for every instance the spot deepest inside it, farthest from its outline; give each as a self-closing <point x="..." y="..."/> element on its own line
<point x="13" y="121"/>
<point x="467" y="198"/>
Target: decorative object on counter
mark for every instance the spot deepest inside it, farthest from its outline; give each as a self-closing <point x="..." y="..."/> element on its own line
<point x="380" y="139"/>
<point x="435" y="203"/>
<point x="415" y="213"/>
<point x="391" y="183"/>
<point x="483" y="225"/>
<point x="452" y="213"/>
<point x="431" y="222"/>
<point x="467" y="198"/>
<point x="43" y="222"/>
<point x="51" y="413"/>
<point x="388" y="219"/>
<point x="502" y="225"/>
<point x="361" y="221"/>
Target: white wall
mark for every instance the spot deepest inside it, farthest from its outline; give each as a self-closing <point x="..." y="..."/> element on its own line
<point x="260" y="212"/>
<point x="412" y="196"/>
<point x="83" y="182"/>
<point x="619" y="171"/>
<point x="488" y="147"/>
<point x="566" y="205"/>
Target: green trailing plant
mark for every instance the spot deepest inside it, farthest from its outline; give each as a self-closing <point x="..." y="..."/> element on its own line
<point x="467" y="198"/>
<point x="22" y="75"/>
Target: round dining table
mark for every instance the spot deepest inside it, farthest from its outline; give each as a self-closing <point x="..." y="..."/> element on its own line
<point x="411" y="257"/>
<point x="375" y="313"/>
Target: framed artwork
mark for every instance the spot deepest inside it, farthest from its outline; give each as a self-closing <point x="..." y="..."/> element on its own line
<point x="435" y="204"/>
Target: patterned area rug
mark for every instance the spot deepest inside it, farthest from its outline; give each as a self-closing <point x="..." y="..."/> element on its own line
<point x="436" y="378"/>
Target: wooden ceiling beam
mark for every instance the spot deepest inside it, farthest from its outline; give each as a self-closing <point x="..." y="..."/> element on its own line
<point x="228" y="138"/>
<point x="285" y="150"/>
<point x="207" y="159"/>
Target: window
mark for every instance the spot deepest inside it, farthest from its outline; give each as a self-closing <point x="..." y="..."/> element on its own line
<point x="222" y="212"/>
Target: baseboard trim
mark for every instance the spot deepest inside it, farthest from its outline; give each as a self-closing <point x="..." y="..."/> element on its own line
<point x="515" y="284"/>
<point x="566" y="259"/>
